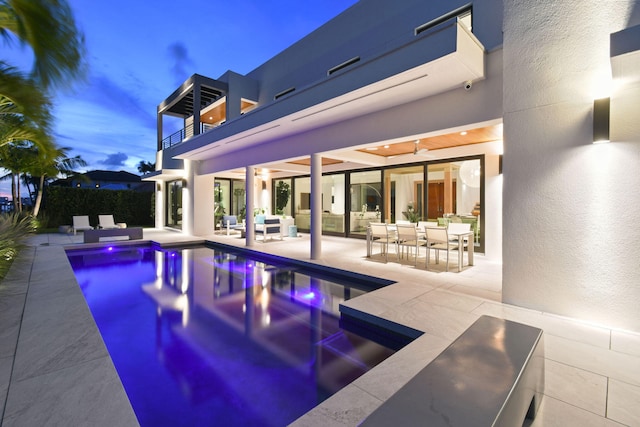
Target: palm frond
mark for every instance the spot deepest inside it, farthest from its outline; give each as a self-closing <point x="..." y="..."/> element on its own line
<point x="48" y="27"/>
<point x="21" y="95"/>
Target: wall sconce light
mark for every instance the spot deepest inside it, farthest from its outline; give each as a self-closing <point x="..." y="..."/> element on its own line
<point x="184" y="184"/>
<point x="500" y="164"/>
<point x="264" y="185"/>
<point x="601" y="108"/>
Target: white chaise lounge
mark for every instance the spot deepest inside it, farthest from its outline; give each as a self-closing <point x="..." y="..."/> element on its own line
<point x="106" y="222"/>
<point x="81" y="223"/>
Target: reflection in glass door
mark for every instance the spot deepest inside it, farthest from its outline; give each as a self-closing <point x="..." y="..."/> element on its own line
<point x="222" y="200"/>
<point x="454" y="194"/>
<point x="174" y="204"/>
<point x="405" y="193"/>
<point x="365" y="201"/>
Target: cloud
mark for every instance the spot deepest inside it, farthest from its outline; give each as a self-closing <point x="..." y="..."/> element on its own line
<point x="179" y="53"/>
<point x="121" y="98"/>
<point x="114" y="160"/>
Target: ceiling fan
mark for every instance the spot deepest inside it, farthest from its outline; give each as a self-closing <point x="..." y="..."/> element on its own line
<point x="417" y="151"/>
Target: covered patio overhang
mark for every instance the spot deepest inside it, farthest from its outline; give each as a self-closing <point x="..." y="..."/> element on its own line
<point x="438" y="60"/>
<point x="164" y="175"/>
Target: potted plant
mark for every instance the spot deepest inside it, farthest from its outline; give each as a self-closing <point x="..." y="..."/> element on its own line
<point x="283" y="191"/>
<point x="218" y="210"/>
<point x="411" y="214"/>
<point x="238" y="195"/>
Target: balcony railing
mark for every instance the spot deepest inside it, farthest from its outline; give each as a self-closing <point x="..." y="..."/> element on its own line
<point x="182" y="134"/>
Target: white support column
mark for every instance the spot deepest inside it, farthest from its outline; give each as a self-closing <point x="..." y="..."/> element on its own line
<point x="316" y="206"/>
<point x="161" y="188"/>
<point x="249" y="203"/>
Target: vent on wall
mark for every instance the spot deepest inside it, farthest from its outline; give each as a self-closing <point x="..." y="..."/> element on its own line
<point x="343" y="65"/>
<point x="284" y="92"/>
<point x="463" y="13"/>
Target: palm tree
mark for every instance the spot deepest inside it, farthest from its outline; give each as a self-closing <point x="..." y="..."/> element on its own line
<point x="25" y="114"/>
<point x="48" y="27"/>
<point x="146" y="167"/>
<point x="14" y="158"/>
<point x="51" y="163"/>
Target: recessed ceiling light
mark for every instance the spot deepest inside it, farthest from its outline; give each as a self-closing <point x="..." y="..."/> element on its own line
<point x="463" y="133"/>
<point x="386" y="146"/>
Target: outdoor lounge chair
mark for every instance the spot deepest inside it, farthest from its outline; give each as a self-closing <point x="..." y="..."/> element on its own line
<point x="106" y="222"/>
<point x="267" y="227"/>
<point x="81" y="223"/>
<point x="231" y="223"/>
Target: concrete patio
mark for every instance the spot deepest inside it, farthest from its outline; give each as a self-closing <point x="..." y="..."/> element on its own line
<point x="55" y="369"/>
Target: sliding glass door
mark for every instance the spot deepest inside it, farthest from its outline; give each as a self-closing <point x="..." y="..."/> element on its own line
<point x="454" y="194"/>
<point x="174" y="204"/>
<point x="366" y="202"/>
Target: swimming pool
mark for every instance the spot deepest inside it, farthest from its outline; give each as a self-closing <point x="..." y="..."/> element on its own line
<point x="204" y="336"/>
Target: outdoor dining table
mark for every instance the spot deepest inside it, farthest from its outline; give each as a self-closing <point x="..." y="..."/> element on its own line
<point x="460" y="235"/>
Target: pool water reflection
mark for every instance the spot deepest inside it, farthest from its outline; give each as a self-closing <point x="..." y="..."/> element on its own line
<point x="200" y="336"/>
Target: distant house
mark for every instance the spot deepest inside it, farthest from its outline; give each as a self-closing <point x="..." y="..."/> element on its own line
<point x="5" y="204"/>
<point x="106" y="180"/>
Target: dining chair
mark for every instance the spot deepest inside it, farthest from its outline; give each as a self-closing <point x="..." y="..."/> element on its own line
<point x="438" y="239"/>
<point x="424" y="224"/>
<point x="381" y="234"/>
<point x="408" y="237"/>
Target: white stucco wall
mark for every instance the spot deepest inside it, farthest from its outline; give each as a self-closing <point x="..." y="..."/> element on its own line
<point x="492" y="209"/>
<point x="570" y="236"/>
<point x="203" y="217"/>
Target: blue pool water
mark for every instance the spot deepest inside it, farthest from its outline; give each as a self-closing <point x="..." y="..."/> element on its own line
<point x="205" y="337"/>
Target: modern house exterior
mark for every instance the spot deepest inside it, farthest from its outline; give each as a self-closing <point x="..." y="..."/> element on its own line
<point x="486" y="111"/>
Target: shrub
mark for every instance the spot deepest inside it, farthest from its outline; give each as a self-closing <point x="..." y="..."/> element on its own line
<point x="14" y="228"/>
<point x="131" y="207"/>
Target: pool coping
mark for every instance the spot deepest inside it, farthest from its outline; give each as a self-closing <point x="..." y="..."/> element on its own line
<point x="60" y="372"/>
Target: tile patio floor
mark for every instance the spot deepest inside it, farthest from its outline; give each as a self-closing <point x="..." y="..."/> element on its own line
<point x="55" y="370"/>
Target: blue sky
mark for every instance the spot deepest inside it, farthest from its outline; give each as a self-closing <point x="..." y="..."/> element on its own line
<point x="139" y="52"/>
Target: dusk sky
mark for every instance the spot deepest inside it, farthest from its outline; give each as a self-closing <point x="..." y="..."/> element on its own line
<point x="139" y="52"/>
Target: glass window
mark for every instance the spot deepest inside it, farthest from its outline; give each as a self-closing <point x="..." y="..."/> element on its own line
<point x="174" y="204"/>
<point x="365" y="197"/>
<point x="238" y="207"/>
<point x="302" y="201"/>
<point x="404" y="191"/>
<point x="282" y="196"/>
<point x="222" y="199"/>
<point x="333" y="203"/>
<point x="454" y="193"/>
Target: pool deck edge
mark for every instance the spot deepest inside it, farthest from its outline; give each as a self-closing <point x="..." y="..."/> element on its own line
<point x="60" y="372"/>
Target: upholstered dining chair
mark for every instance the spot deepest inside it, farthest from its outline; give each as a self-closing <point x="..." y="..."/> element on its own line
<point x="381" y="234"/>
<point x="438" y="239"/>
<point x="408" y="238"/>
